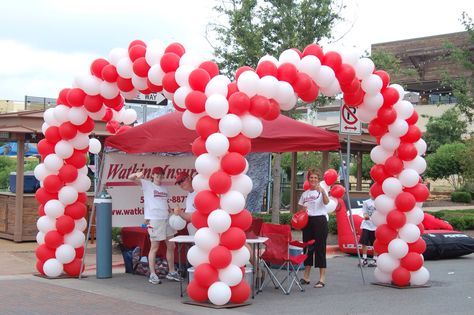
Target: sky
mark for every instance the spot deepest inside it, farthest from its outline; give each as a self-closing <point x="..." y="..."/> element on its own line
<point x="45" y="43"/>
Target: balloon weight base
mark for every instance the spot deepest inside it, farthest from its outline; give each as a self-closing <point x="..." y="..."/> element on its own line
<point x="54" y="278"/>
<point x="390" y="285"/>
<point x="210" y="305"/>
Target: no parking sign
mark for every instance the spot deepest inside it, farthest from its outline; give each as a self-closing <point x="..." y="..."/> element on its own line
<point x="349" y="123"/>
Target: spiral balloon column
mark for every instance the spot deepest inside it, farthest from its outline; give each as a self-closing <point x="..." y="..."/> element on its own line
<point x="226" y="116"/>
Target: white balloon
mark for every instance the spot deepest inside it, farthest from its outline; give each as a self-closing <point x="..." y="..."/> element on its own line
<point x="269" y="58"/>
<point x="397" y="248"/>
<point x="206" y="239"/>
<point x="384" y="204"/>
<point x="392" y="187"/>
<point x="373" y="102"/>
<point x="248" y="83"/>
<point x="67" y="195"/>
<point x="310" y="65"/>
<point x="46" y="224"/>
<point x="324" y="186"/>
<point x="290" y="56"/>
<point x="41" y="172"/>
<point x="399" y="89"/>
<point x="116" y="54"/>
<point x="365" y="115"/>
<point x="267" y="86"/>
<point x="399" y="128"/>
<point x="176" y="222"/>
<point x="284" y="93"/>
<point x="44" y="127"/>
<point x="182" y="75"/>
<point x="420" y="146"/>
<point x="404" y="109"/>
<point x="75" y="238"/>
<point x="64" y="149"/>
<point x="156" y="74"/>
<point x="415" y="216"/>
<point x="191" y="58"/>
<point x="290" y="104"/>
<point x="200" y="183"/>
<point x="389" y="142"/>
<point x="230" y="125"/>
<point x="232" y="202"/>
<point x="89" y="83"/>
<point x="240" y="257"/>
<point x="230" y="275"/>
<point x="61" y="113"/>
<point x="197" y="256"/>
<point x="378" y="218"/>
<point x="139" y="83"/>
<point x="219" y="293"/>
<point x="54" y="208"/>
<point x="98" y="114"/>
<point x="331" y="206"/>
<point x="206" y="164"/>
<point x="217" y="106"/>
<point x="125" y="68"/>
<point x="77" y="115"/>
<point x="82" y="183"/>
<point x="109" y="90"/>
<point x="324" y="77"/>
<point x="242" y="183"/>
<point x="418" y="164"/>
<point x="409" y="233"/>
<point x="153" y="54"/>
<point x="372" y="84"/>
<point x="332" y="90"/>
<point x="217" y="85"/>
<point x="219" y="221"/>
<point x="217" y="144"/>
<point x="83" y="170"/>
<point x="50" y="118"/>
<point x="252" y="127"/>
<point x="80" y="141"/>
<point x="65" y="254"/>
<point x="364" y="68"/>
<point x="387" y="263"/>
<point x="419" y="277"/>
<point x="409" y="177"/>
<point x="80" y="224"/>
<point x="350" y="56"/>
<point x="190" y="119"/>
<point x="180" y="96"/>
<point x="94" y="146"/>
<point x="379" y="155"/>
<point x="382" y="277"/>
<point x="40" y="238"/>
<point x="52" y="268"/>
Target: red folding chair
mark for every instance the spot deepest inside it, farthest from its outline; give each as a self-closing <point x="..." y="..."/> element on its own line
<point x="277" y="257"/>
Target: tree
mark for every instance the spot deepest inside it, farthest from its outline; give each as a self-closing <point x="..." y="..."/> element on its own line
<point x="391" y="64"/>
<point x="448" y="162"/>
<point x="252" y="29"/>
<point x="448" y="128"/>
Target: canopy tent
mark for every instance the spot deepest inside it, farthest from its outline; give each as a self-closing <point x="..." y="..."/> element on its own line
<point x="168" y="134"/>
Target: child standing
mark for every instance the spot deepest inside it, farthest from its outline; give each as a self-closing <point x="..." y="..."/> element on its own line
<point x="367" y="237"/>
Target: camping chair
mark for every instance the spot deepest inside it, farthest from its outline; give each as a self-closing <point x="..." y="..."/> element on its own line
<point x="277" y="255"/>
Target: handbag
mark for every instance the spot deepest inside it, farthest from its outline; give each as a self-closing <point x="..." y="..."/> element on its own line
<point x="299" y="220"/>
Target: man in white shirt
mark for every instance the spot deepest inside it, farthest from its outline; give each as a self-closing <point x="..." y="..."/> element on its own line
<point x="367" y="237"/>
<point x="185" y="182"/>
<point x="156" y="218"/>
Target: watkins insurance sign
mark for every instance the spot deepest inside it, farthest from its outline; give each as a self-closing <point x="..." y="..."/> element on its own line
<point x="127" y="196"/>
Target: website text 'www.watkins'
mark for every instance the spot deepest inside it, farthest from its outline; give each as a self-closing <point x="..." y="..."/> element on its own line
<point x="135" y="211"/>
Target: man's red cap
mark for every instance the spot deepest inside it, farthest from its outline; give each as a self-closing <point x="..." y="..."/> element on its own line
<point x="180" y="177"/>
<point x="158" y="170"/>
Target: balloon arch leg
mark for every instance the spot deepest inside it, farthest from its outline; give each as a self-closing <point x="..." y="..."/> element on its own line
<point x="226" y="116"/>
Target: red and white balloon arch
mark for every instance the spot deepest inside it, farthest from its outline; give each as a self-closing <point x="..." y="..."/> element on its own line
<point x="226" y="116"/>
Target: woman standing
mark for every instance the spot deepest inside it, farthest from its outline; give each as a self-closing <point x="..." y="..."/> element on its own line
<point x="314" y="201"/>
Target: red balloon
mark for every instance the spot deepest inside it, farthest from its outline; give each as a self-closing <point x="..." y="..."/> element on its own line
<point x="386" y="115"/>
<point x="311" y="94"/>
<point x="412" y="261"/>
<point x="413" y="118"/>
<point x="300" y="54"/>
<point x="384" y="76"/>
<point x="64" y="224"/>
<point x="206" y="126"/>
<point x="299" y="220"/>
<point x="52" y="135"/>
<point x="206" y="201"/>
<point x="211" y="67"/>
<point x="333" y="60"/>
<point x="239" y="103"/>
<point x="273" y="111"/>
<point x="380" y="247"/>
<point x="199" y="146"/>
<point x="385" y="234"/>
<point x="169" y="62"/>
<point x="330" y="176"/>
<point x="219" y="257"/>
<point x="73" y="268"/>
<point x="43" y="196"/>
<point x="124" y="84"/>
<point x="196" y="292"/>
<point x="79" y="251"/>
<point x="206" y="274"/>
<point x="233" y="238"/>
<point x="220" y="182"/>
<point x="199" y="220"/>
<point x="45" y="147"/>
<point x="419" y="191"/>
<point x="377" y="173"/>
<point x="396" y="219"/>
<point x="93" y="103"/>
<point x="44" y="253"/>
<point x="242" y="220"/>
<point x="195" y="101"/>
<point x="405" y="201"/>
<point x="376" y="190"/>
<point x="176" y="48"/>
<point x="53" y="239"/>
<point x="400" y="277"/>
<point x="156" y="88"/>
<point x="141" y="67"/>
<point x="231" y="89"/>
<point x="39" y="267"/>
<point x="114" y="102"/>
<point x="346" y="74"/>
<point x="302" y="83"/>
<point x="306" y="185"/>
<point x="259" y="106"/>
<point x="67" y="130"/>
<point x="62" y="97"/>
<point x="351" y="87"/>
<point x="393" y="166"/>
<point x="413" y="134"/>
<point x="407" y="151"/>
<point x="68" y="173"/>
<point x="82" y="197"/>
<point x="314" y="50"/>
<point x="390" y="97"/>
<point x="109" y="73"/>
<point x="198" y="79"/>
<point x="77" y="159"/>
<point x="75" y="97"/>
<point x="97" y="66"/>
<point x="240" y="293"/>
<point x="421" y="227"/>
<point x="287" y="72"/>
<point x="265" y="68"/>
<point x="354" y="99"/>
<point x="240" y="144"/>
<point x="233" y="163"/>
<point x="418" y="247"/>
<point x="377" y="128"/>
<point x="138" y="50"/>
<point x="87" y="126"/>
<point x="76" y="211"/>
<point x="52" y="183"/>
<point x="337" y="191"/>
<point x="41" y="211"/>
<point x="169" y="82"/>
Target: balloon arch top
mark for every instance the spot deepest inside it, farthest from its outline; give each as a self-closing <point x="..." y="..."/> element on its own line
<point x="226" y="115"/>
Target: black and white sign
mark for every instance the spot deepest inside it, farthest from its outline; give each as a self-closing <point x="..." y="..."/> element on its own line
<point x="349" y="123"/>
<point x="150" y="99"/>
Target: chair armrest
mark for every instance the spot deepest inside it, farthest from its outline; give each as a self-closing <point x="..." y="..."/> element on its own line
<point x="302" y="244"/>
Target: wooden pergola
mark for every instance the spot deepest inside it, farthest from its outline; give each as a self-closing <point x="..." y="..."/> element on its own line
<point x="18" y="211"/>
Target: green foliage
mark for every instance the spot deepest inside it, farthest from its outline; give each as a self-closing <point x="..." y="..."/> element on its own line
<point x="332" y="224"/>
<point x="391" y="64"/>
<point x="448" y="163"/>
<point x="447" y="128"/>
<point x="459" y="219"/>
<point x="7" y="165"/>
<point x="468" y="165"/>
<point x="461" y="196"/>
<point x="30" y="165"/>
<point x="285" y="217"/>
<point x="116" y="236"/>
<point x="366" y="166"/>
<point x="305" y="161"/>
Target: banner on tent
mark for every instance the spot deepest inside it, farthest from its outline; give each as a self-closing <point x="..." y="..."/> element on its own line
<point x="127" y="196"/>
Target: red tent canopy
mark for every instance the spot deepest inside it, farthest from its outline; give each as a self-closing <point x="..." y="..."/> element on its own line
<point x="168" y="134"/>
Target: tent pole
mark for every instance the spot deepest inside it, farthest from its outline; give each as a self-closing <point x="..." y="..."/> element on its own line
<point x="269" y="185"/>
